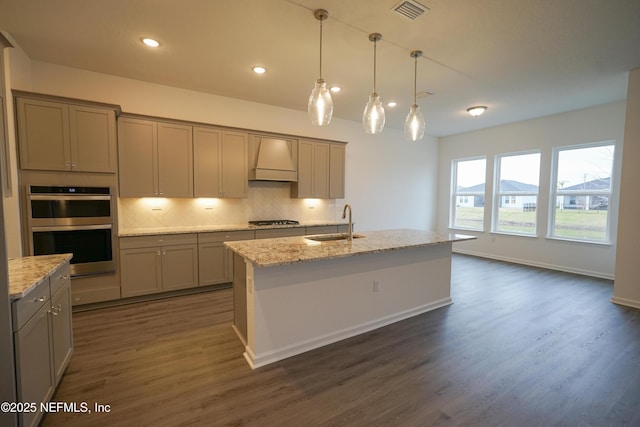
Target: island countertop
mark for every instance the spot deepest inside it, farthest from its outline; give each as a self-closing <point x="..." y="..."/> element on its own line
<point x="28" y="272"/>
<point x="290" y="250"/>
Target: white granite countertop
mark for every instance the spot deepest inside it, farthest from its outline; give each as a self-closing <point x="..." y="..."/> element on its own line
<point x="28" y="272"/>
<point x="151" y="231"/>
<point x="290" y="250"/>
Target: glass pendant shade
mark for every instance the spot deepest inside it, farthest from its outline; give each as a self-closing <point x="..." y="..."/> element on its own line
<point x="320" y="106"/>
<point x="373" y="116"/>
<point x="414" y="125"/>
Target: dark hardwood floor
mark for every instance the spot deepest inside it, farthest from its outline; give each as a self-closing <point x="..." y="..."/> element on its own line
<point x="520" y="346"/>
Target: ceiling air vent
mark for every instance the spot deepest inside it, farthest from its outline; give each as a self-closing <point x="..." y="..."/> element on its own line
<point x="410" y="9"/>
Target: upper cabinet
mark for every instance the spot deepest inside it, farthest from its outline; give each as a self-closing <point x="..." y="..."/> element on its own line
<point x="154" y="159"/>
<point x="220" y="163"/>
<point x="336" y="171"/>
<point x="320" y="170"/>
<point x="60" y="136"/>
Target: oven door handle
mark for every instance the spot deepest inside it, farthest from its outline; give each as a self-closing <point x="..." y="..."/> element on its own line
<point x="67" y="197"/>
<point x="73" y="227"/>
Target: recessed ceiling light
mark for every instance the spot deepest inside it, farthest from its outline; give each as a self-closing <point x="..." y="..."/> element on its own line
<point x="392" y="104"/>
<point x="150" y="42"/>
<point x="335" y="89"/>
<point x="259" y="70"/>
<point x="477" y="110"/>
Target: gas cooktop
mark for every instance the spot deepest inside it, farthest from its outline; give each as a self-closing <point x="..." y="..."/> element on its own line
<point x="274" y="222"/>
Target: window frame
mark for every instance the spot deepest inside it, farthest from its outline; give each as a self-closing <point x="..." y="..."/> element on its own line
<point x="454" y="194"/>
<point x="554" y="193"/>
<point x="498" y="195"/>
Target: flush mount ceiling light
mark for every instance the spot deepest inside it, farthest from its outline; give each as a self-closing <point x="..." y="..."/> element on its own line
<point x="150" y="42"/>
<point x="335" y="89"/>
<point x="320" y="105"/>
<point x="392" y="104"/>
<point x="259" y="70"/>
<point x="477" y="110"/>
<point x="373" y="115"/>
<point x="414" y="124"/>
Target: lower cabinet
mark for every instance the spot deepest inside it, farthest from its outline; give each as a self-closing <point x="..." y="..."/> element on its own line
<point x="167" y="262"/>
<point x="43" y="340"/>
<point x="152" y="264"/>
<point x="215" y="261"/>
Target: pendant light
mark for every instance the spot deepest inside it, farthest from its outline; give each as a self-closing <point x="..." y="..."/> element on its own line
<point x="414" y="124"/>
<point x="373" y="115"/>
<point x="320" y="105"/>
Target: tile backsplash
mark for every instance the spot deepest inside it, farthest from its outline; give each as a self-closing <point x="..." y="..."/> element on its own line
<point x="267" y="200"/>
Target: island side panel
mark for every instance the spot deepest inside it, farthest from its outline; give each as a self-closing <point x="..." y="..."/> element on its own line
<point x="297" y="307"/>
<point x="240" y="297"/>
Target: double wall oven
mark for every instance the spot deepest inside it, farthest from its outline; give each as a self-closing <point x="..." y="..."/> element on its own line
<point x="74" y="220"/>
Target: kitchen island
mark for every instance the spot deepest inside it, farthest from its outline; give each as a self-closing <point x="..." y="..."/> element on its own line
<point x="295" y="294"/>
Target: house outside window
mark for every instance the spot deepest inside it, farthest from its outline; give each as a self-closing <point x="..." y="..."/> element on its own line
<point x="517" y="179"/>
<point x="467" y="193"/>
<point x="581" y="189"/>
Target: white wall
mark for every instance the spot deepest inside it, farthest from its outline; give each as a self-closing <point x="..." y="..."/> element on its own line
<point x="602" y="123"/>
<point x="390" y="183"/>
<point x="627" y="282"/>
<point x="17" y="69"/>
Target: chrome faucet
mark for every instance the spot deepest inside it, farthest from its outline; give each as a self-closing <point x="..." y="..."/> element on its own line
<point x="344" y="215"/>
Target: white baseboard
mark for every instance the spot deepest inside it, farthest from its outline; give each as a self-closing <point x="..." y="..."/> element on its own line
<point x="258" y="360"/>
<point x="626" y="302"/>
<point x="536" y="264"/>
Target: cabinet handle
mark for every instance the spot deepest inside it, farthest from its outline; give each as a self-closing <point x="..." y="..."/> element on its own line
<point x="63" y="276"/>
<point x="159" y="253"/>
<point x="41" y="299"/>
<point x="164" y="252"/>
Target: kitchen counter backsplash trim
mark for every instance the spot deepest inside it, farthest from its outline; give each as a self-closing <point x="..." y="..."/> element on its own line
<point x="151" y="231"/>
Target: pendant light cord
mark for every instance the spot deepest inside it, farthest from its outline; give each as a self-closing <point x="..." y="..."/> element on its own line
<point x="415" y="78"/>
<point x="321" y="19"/>
<point x="375" y="45"/>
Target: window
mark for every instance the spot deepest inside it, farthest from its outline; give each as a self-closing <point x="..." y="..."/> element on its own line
<point x="581" y="189"/>
<point x="517" y="180"/>
<point x="467" y="194"/>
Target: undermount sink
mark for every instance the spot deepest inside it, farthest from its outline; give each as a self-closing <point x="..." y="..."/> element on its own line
<point x="332" y="237"/>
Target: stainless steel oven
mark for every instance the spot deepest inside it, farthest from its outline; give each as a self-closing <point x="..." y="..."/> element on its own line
<point x="74" y="220"/>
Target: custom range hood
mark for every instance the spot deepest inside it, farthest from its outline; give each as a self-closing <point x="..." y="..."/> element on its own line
<point x="273" y="159"/>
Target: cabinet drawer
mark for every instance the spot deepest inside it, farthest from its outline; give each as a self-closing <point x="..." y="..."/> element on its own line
<point x="322" y="229"/>
<point x="59" y="278"/>
<point x="24" y="308"/>
<point x="133" y="242"/>
<point x="225" y="236"/>
<point x="279" y="232"/>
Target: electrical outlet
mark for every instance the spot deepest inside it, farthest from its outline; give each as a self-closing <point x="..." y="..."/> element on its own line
<point x="376" y="286"/>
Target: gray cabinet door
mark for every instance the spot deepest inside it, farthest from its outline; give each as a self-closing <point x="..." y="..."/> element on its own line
<point x="34" y="374"/>
<point x="235" y="172"/>
<point x="93" y="139"/>
<point x="213" y="264"/>
<point x="141" y="271"/>
<point x="179" y="267"/>
<point x="137" y="160"/>
<point x="207" y="150"/>
<point x="43" y="135"/>
<point x="175" y="160"/>
<point x="62" y="331"/>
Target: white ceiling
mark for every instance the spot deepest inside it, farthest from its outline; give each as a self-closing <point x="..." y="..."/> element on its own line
<point x="521" y="58"/>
